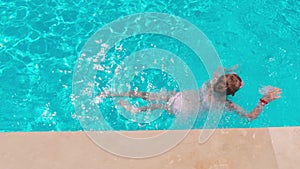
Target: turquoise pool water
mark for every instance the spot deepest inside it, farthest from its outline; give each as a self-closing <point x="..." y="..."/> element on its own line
<point x="40" y="42"/>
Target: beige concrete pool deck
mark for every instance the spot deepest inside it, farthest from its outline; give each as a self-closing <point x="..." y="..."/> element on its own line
<point x="261" y="148"/>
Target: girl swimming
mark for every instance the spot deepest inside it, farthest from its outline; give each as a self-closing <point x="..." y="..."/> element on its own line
<point x="212" y="92"/>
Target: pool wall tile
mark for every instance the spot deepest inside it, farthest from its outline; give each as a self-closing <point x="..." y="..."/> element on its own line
<point x="268" y="148"/>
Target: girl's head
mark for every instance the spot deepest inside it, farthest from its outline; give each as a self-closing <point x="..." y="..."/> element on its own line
<point x="228" y="84"/>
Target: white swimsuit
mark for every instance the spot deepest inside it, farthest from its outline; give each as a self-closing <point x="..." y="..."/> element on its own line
<point x="190" y="101"/>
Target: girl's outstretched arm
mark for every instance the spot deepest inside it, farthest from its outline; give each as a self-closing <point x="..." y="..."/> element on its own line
<point x="220" y="71"/>
<point x="270" y="94"/>
<point x="239" y="110"/>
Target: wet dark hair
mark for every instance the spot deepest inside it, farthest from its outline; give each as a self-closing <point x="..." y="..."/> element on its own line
<point x="233" y="83"/>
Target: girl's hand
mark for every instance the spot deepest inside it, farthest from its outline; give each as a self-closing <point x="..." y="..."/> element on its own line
<point x="221" y="70"/>
<point x="271" y="93"/>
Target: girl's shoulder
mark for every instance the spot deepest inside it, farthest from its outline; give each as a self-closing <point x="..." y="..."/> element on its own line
<point x="206" y="85"/>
